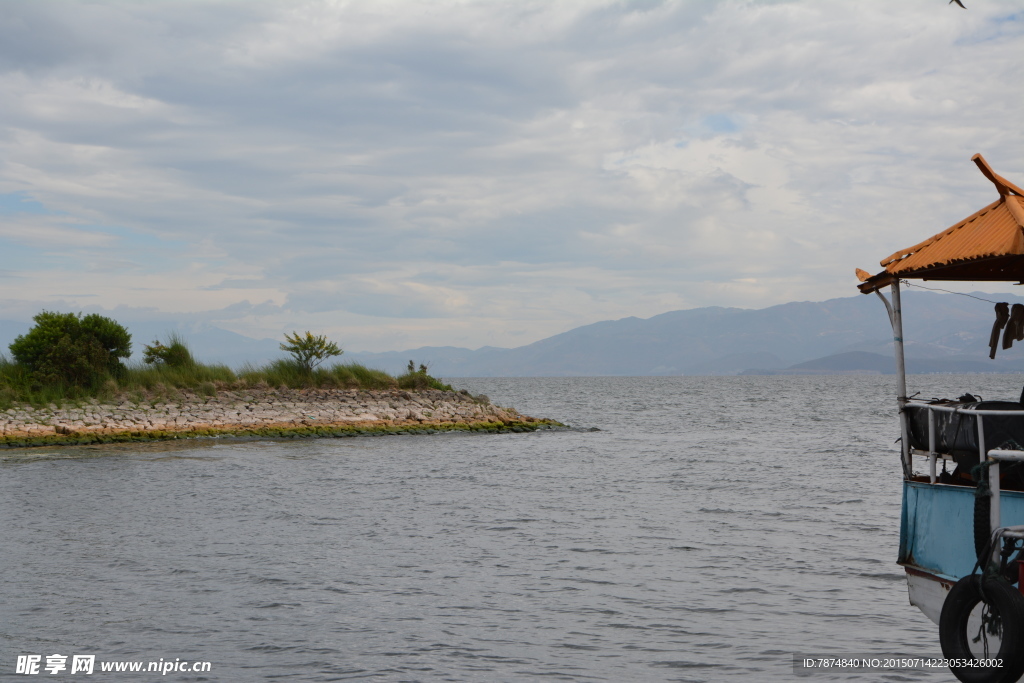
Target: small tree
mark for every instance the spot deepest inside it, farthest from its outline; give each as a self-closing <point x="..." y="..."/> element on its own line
<point x="309" y="350"/>
<point x="67" y="348"/>
<point x="175" y="354"/>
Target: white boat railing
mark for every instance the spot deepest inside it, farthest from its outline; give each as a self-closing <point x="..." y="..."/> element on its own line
<point x="994" y="457"/>
<point x="932" y="453"/>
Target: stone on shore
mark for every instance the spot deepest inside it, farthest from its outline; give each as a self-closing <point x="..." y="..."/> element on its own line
<point x="259" y="412"/>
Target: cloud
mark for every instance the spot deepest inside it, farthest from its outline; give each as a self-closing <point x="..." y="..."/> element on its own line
<point x="487" y="172"/>
<point x="46" y="232"/>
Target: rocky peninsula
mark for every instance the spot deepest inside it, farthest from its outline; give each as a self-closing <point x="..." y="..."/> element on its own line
<point x="283" y="413"/>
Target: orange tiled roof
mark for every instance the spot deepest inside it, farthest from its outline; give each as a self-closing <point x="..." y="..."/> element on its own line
<point x="988" y="245"/>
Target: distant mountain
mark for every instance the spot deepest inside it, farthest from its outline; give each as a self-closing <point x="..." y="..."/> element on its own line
<point x="949" y="332"/>
<point x="863" y="362"/>
<point x="855" y="362"/>
<point x="943" y="332"/>
<point x="208" y="343"/>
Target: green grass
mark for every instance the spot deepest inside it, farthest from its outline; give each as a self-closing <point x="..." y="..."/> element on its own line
<point x="141" y="382"/>
<point x="288" y="373"/>
<point x="18" y="386"/>
<point x="419" y="380"/>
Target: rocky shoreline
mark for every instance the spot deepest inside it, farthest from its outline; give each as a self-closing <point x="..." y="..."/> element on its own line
<point x="261" y="413"/>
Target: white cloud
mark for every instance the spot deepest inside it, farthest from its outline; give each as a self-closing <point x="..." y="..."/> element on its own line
<point x="487" y="172"/>
<point x="50" y="233"/>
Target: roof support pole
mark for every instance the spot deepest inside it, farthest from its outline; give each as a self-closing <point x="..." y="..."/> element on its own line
<point x="895" y="311"/>
<point x="901" y="378"/>
<point x="897" y="338"/>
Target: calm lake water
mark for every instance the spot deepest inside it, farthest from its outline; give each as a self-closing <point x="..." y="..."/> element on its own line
<point x="713" y="528"/>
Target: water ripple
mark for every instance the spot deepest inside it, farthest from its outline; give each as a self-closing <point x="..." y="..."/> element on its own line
<point x="711" y="529"/>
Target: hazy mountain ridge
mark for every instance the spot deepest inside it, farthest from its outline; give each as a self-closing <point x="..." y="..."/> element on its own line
<point x="943" y="332"/>
<point x="864" y="362"/>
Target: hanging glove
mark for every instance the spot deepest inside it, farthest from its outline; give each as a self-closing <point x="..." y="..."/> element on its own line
<point x="1015" y="326"/>
<point x="1002" y="315"/>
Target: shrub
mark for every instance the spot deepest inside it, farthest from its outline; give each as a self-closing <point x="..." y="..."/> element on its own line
<point x="66" y="357"/>
<point x="175" y="354"/>
<point x="309" y="350"/>
<point x="420" y="379"/>
<point x="65" y="348"/>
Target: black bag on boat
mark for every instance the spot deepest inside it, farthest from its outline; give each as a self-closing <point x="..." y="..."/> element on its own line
<point x="957" y="433"/>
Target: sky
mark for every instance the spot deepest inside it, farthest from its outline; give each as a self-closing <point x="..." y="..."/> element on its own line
<point x="484" y="173"/>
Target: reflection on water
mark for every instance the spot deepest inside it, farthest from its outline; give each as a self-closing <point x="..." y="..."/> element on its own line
<point x="191" y="448"/>
<point x="711" y="530"/>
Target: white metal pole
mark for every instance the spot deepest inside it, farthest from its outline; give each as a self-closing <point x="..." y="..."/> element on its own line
<point x="994" y="513"/>
<point x="932" y="455"/>
<point x="901" y="374"/>
<point x="994" y="516"/>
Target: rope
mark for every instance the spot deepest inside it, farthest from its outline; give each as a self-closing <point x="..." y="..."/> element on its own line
<point x="947" y="291"/>
<point x="980" y="474"/>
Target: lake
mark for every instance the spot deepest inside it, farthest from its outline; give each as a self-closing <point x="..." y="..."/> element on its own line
<point x="685" y="529"/>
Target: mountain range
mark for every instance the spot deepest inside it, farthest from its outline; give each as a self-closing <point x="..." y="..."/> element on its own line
<point x="944" y="333"/>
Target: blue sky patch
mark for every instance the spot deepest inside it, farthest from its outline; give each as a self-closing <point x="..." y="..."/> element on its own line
<point x="20" y="202"/>
<point x="720" y="123"/>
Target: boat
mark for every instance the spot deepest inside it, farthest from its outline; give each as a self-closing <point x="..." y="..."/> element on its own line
<point x="962" y="528"/>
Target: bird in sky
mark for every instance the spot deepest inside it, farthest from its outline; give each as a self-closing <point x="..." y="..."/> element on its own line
<point x="957" y="2"/>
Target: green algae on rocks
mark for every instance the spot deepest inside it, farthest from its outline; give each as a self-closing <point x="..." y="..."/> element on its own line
<point x="263" y="413"/>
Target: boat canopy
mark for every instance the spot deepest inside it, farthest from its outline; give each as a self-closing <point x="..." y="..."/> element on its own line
<point x="986" y="246"/>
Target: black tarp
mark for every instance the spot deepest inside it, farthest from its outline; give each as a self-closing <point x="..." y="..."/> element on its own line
<point x="956" y="434"/>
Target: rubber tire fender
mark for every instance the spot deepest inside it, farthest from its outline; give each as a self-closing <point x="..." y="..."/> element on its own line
<point x="1008" y="603"/>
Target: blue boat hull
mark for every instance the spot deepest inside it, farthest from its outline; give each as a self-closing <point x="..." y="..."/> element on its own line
<point x="937" y="538"/>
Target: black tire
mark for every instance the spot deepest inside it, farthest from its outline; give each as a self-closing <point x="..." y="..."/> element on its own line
<point x="1007" y="605"/>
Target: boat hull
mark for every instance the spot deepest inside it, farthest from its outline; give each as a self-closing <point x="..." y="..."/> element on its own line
<point x="937" y="538"/>
<point x="927" y="592"/>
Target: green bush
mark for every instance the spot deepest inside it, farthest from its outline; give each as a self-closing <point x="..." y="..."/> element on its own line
<point x="309" y="350"/>
<point x="67" y="357"/>
<point x="420" y="379"/>
<point x="65" y="348"/>
<point x="175" y="354"/>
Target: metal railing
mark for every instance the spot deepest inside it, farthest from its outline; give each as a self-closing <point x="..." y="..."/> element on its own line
<point x="932" y="453"/>
<point x="994" y="457"/>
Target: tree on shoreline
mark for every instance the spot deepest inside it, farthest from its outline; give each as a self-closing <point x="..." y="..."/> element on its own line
<point x="65" y="348"/>
<point x="310" y="350"/>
